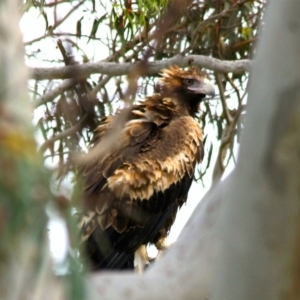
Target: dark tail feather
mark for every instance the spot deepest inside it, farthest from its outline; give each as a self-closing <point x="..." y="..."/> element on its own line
<point x="119" y="261"/>
<point x="112" y="260"/>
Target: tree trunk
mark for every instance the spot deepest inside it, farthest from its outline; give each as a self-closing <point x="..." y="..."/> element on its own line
<point x="260" y="222"/>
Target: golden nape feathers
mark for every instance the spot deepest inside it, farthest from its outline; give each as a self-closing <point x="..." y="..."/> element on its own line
<point x="177" y="80"/>
<point x="133" y="191"/>
<point x="174" y="75"/>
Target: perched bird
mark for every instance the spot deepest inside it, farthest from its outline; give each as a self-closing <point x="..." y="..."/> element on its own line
<point x="133" y="191"/>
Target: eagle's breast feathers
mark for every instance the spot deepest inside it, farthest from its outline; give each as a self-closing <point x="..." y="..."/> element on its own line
<point x="155" y="168"/>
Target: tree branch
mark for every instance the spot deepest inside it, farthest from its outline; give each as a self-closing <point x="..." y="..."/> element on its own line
<point x="52" y="94"/>
<point x="117" y="69"/>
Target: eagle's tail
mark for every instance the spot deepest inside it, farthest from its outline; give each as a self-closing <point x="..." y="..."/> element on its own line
<point x="97" y="248"/>
<point x="119" y="261"/>
<point x="101" y="259"/>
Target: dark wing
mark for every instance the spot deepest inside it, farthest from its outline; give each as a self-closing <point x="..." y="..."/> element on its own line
<point x="133" y="192"/>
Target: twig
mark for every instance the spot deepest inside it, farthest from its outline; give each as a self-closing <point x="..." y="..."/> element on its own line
<point x="52" y="94"/>
<point x="61" y="135"/>
<point x="223" y="100"/>
<point x="50" y="31"/>
<point x="228" y="134"/>
<point x="98" y="87"/>
<point x="228" y="78"/>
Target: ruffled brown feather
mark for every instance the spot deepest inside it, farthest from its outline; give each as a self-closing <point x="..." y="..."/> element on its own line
<point x="133" y="192"/>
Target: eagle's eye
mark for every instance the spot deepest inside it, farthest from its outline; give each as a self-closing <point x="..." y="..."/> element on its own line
<point x="188" y="81"/>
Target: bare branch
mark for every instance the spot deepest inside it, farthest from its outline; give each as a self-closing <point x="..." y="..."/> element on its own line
<point x="117" y="69"/>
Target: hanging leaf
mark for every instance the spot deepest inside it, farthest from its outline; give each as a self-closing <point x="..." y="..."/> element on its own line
<point x="78" y="28"/>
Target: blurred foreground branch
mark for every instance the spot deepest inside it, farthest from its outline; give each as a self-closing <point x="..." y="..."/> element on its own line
<point x="25" y="263"/>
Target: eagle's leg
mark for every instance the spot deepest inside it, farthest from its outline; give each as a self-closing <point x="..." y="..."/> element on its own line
<point x="161" y="245"/>
<point x="141" y="259"/>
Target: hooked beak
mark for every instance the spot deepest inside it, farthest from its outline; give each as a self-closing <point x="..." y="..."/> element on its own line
<point x="203" y="87"/>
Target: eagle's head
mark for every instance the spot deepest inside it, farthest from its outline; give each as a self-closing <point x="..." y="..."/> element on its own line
<point x="187" y="87"/>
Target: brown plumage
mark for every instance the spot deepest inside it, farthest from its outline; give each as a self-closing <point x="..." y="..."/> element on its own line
<point x="133" y="191"/>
